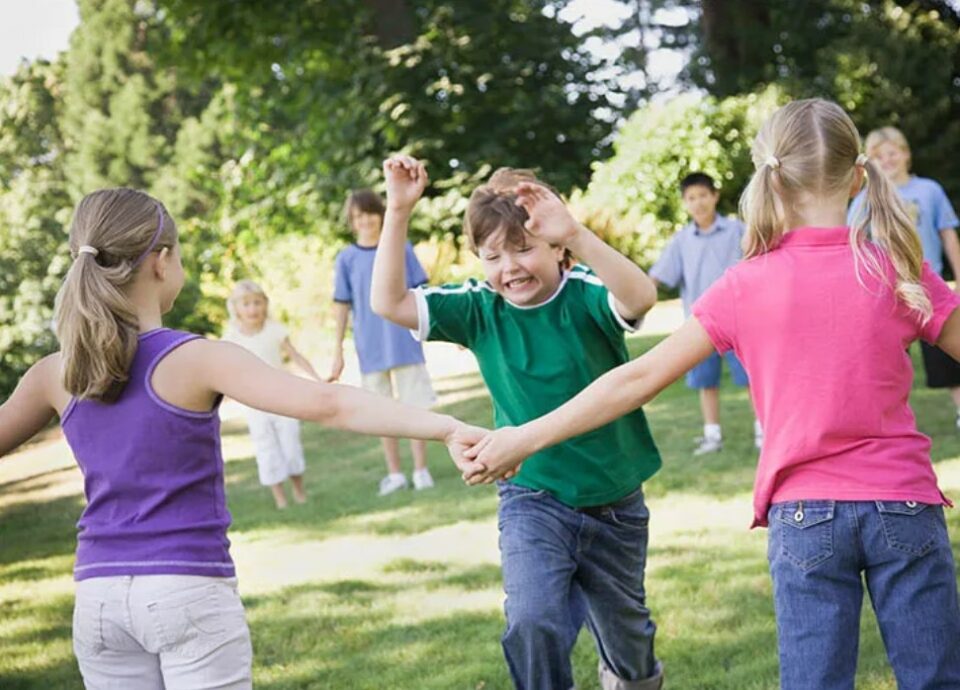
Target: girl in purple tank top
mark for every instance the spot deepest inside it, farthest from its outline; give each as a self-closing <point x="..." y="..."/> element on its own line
<point x="157" y="603"/>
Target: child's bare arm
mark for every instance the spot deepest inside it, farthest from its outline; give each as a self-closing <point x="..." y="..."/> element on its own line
<point x="302" y="362"/>
<point x="949" y="340"/>
<point x="341" y="314"/>
<point x="951" y="249"/>
<point x="31" y="406"/>
<point x="389" y="296"/>
<point x="634" y="292"/>
<point x="227" y="369"/>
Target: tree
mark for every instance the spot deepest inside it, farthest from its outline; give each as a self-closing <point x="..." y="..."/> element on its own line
<point x="34" y="206"/>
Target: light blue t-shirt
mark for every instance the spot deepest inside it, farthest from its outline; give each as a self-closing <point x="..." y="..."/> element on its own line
<point x="694" y="258"/>
<point x="930" y="209"/>
<point x="381" y="345"/>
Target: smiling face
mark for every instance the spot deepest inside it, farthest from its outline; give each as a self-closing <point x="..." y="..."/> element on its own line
<point x="526" y="274"/>
<point x="366" y="226"/>
<point x="251" y="311"/>
<point x="893" y="160"/>
<point x="701" y="203"/>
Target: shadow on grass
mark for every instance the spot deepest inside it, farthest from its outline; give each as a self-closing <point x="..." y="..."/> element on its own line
<point x="48" y="637"/>
<point x="35" y="530"/>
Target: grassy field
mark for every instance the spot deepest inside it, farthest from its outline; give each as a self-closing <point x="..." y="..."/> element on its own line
<point x="352" y="591"/>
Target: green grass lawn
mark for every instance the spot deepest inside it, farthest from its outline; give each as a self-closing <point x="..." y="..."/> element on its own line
<point x="354" y="591"/>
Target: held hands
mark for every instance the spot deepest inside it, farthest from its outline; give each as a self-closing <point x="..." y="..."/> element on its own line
<point x="406" y="179"/>
<point x="497" y="456"/>
<point x="550" y="219"/>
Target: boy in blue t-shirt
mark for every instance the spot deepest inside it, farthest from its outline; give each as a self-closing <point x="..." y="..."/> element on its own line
<point x="391" y="361"/>
<point x="693" y="260"/>
<point x="929" y="207"/>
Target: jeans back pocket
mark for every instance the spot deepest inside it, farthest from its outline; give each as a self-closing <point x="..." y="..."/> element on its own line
<point x="910" y="527"/>
<point x="805" y="531"/>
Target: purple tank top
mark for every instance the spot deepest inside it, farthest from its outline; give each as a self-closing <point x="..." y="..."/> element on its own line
<point x="153" y="479"/>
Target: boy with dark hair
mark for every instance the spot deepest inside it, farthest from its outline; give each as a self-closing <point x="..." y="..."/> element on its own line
<point x="694" y="258"/>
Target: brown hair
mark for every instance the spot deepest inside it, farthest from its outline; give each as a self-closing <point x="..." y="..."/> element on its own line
<point x="493" y="206"/>
<point x="365" y="201"/>
<point x="96" y="323"/>
<point x="813" y="148"/>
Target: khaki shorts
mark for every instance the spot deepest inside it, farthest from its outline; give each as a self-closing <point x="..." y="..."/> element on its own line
<point x="409" y="384"/>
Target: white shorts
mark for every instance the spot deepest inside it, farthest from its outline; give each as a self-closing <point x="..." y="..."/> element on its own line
<point x="276" y="443"/>
<point x="409" y="384"/>
<point x="161" y="632"/>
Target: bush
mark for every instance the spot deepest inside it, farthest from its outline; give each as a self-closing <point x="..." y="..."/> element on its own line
<point x="633" y="200"/>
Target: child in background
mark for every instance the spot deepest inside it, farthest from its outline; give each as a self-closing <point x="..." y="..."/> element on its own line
<point x="693" y="260"/>
<point x="573" y="522"/>
<point x="276" y="439"/>
<point x="391" y="362"/>
<point x="156" y="596"/>
<point x="936" y="222"/>
<point x="821" y="316"/>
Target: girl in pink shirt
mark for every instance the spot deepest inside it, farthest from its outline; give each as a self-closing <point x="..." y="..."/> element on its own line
<point x="821" y="315"/>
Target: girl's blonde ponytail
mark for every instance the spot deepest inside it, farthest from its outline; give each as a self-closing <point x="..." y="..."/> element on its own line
<point x="884" y="217"/>
<point x="810" y="149"/>
<point x="96" y="323"/>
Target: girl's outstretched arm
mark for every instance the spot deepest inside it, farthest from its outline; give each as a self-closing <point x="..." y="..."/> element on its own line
<point x="32" y="404"/>
<point x="227" y="369"/>
<point x="613" y="395"/>
<point x="949" y="340"/>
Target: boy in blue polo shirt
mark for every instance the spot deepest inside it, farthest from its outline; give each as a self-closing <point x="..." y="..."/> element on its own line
<point x="391" y="362"/>
<point x="694" y="258"/>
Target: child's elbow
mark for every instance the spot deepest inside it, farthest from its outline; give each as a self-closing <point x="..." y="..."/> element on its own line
<point x="379" y="305"/>
<point x="327" y="408"/>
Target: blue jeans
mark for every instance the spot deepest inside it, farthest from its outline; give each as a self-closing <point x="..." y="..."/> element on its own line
<point x="707" y="373"/>
<point x="562" y="566"/>
<point x="822" y="552"/>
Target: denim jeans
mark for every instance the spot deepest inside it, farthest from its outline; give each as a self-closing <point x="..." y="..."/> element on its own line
<point x="822" y="552"/>
<point x="562" y="567"/>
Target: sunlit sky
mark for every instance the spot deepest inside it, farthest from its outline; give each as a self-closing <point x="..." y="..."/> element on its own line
<point x="40" y="28"/>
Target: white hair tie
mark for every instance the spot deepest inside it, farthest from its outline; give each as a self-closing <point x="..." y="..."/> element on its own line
<point x="87" y="249"/>
<point x="861" y="160"/>
<point x="773" y="162"/>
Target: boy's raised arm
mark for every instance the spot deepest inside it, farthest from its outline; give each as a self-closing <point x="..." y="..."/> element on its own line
<point x="389" y="296"/>
<point x="633" y="290"/>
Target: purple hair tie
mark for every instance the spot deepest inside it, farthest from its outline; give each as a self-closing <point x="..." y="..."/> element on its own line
<point x="156" y="236"/>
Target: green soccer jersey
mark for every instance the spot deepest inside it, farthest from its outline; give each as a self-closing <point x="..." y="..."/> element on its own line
<point x="534" y="359"/>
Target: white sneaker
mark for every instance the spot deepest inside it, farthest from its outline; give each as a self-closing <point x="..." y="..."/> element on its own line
<point x="391" y="483"/>
<point x="708" y="445"/>
<point x="422" y="479"/>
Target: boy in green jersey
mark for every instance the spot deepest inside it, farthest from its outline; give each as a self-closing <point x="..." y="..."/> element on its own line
<point x="573" y="523"/>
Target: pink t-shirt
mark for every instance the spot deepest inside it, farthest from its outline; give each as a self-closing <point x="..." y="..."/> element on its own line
<point x="829" y="371"/>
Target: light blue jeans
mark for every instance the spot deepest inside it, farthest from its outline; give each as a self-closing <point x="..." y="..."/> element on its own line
<point x="823" y="552"/>
<point x="562" y="566"/>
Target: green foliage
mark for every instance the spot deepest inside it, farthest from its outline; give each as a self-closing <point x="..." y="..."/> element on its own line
<point x="634" y="199"/>
<point x="889" y="62"/>
<point x="33" y="209"/>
